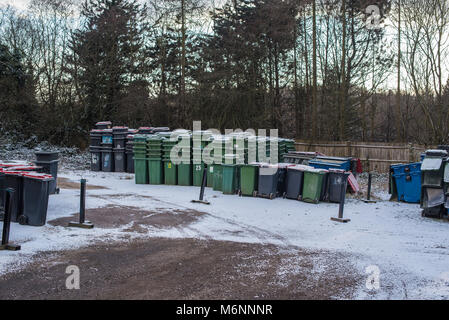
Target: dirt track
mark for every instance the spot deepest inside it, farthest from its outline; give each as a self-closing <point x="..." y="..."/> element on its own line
<point x="159" y="268"/>
<point x="185" y="269"/>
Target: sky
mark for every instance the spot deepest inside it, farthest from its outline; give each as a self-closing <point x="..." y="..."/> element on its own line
<point x="20" y="4"/>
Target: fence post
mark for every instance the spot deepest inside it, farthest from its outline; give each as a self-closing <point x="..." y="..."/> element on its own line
<point x="348" y="149"/>
<point x="411" y="152"/>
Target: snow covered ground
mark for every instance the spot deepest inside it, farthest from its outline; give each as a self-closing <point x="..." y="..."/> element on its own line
<point x="411" y="252"/>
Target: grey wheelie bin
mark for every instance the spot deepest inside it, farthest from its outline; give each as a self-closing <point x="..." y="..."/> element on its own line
<point x="338" y="179"/>
<point x="36" y="191"/>
<point x="49" y="161"/>
<point x="268" y="181"/>
<point x="295" y="182"/>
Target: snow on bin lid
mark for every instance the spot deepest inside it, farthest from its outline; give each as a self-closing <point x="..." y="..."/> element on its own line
<point x="317" y="170"/>
<point x="14" y="163"/>
<point x="299" y="167"/>
<point x="39" y="176"/>
<point x="431" y="164"/>
<point x="14" y="173"/>
<point x="104" y="123"/>
<point x="436" y="152"/>
<point x="336" y="171"/>
<point x="285" y="165"/>
<point x="23" y="168"/>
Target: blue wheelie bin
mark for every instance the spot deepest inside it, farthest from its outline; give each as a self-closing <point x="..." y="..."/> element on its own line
<point x="408" y="181"/>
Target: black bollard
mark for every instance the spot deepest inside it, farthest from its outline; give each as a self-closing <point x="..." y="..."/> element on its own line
<point x="341" y="208"/>
<point x="82" y="223"/>
<point x="203" y="187"/>
<point x="7" y="223"/>
<point x="368" y="196"/>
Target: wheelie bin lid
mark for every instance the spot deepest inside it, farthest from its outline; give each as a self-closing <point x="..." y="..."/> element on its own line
<point x="13" y="173"/>
<point x="13" y="163"/>
<point x="321" y="171"/>
<point x="96" y="131"/>
<point x="38" y="176"/>
<point x="103" y="123"/>
<point x="23" y="168"/>
<point x="432" y="164"/>
<point x="299" y="167"/>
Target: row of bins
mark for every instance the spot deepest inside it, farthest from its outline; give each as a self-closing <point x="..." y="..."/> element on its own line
<point x="111" y="148"/>
<point x="296" y="182"/>
<point x="32" y="190"/>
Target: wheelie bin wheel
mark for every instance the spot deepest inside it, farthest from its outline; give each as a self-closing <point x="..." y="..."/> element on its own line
<point x="23" y="220"/>
<point x="271" y="196"/>
<point x="284" y="195"/>
<point x="255" y="194"/>
<point x="240" y="193"/>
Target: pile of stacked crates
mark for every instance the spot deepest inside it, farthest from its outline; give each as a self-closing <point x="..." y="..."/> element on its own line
<point x="434" y="184"/>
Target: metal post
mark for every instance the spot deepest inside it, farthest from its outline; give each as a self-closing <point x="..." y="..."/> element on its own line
<point x="7" y="223"/>
<point x="341" y="208"/>
<point x="203" y="187"/>
<point x="368" y="196"/>
<point x="82" y="221"/>
<point x="369" y="187"/>
<point x="83" y="201"/>
<point x="203" y="183"/>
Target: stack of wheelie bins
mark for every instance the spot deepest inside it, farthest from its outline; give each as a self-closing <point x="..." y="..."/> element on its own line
<point x="170" y="169"/>
<point x="49" y="161"/>
<point x="200" y="140"/>
<point x="433" y="185"/>
<point x="107" y="150"/>
<point x="119" y="136"/>
<point x="140" y="159"/>
<point x="129" y="150"/>
<point x="154" y="155"/>
<point x="95" y="149"/>
<point x="185" y="171"/>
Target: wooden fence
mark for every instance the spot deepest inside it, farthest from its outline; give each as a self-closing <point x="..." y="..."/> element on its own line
<point x="376" y="156"/>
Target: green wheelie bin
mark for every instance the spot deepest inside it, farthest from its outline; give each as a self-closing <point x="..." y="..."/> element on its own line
<point x="185" y="174"/>
<point x="198" y="174"/>
<point x="170" y="173"/>
<point x="218" y="177"/>
<point x="229" y="177"/>
<point x="141" y="170"/>
<point x="249" y="174"/>
<point x="156" y="171"/>
<point x="210" y="176"/>
<point x="313" y="185"/>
